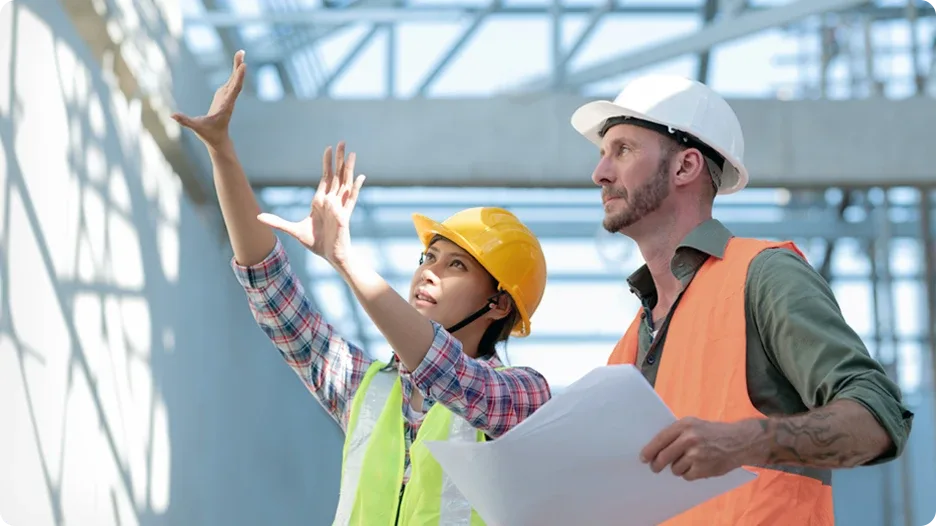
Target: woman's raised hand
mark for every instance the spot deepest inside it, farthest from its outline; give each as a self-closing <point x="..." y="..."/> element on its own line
<point x="326" y="230"/>
<point x="212" y="128"/>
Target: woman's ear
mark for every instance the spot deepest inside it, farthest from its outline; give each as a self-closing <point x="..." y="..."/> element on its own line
<point x="502" y="308"/>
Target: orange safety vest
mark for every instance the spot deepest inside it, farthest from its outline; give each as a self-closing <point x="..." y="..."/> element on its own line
<point x="703" y="374"/>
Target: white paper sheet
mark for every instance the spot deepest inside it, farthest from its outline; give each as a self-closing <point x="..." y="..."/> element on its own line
<point x="575" y="461"/>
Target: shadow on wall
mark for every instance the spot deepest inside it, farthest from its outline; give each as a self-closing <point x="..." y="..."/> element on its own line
<point x="134" y="386"/>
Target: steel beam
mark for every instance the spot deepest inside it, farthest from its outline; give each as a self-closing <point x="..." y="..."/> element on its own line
<point x="274" y="50"/>
<point x="528" y="141"/>
<point x="409" y="14"/>
<point x="446" y="12"/>
<point x="349" y="59"/>
<point x="453" y="51"/>
<point x="709" y="10"/>
<point x="595" y="17"/>
<point x="231" y="41"/>
<point x="330" y="16"/>
<point x="726" y="30"/>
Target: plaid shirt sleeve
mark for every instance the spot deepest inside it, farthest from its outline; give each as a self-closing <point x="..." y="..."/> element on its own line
<point x="491" y="400"/>
<point x="330" y="367"/>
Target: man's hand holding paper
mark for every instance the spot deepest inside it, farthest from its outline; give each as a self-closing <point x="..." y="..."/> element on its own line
<point x="696" y="449"/>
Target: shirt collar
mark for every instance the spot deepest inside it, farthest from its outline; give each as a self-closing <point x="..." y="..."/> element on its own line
<point x="708" y="239"/>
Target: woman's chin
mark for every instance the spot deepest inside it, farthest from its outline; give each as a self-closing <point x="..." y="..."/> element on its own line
<point x="422" y="309"/>
<point x="422" y="306"/>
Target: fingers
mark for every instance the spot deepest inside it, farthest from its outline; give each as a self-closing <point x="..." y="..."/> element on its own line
<point x="338" y="178"/>
<point x="358" y="183"/>
<point x="661" y="441"/>
<point x="347" y="177"/>
<point x="682" y="466"/>
<point x="324" y="185"/>
<point x="183" y="120"/>
<point x="232" y="89"/>
<point x="278" y="223"/>
<point x="235" y="82"/>
<point x="238" y="78"/>
<point x="670" y="454"/>
<point x="338" y="174"/>
<point x="694" y="473"/>
<point x="238" y="62"/>
<point x="238" y="59"/>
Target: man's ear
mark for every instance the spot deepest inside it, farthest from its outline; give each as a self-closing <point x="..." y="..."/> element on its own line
<point x="502" y="309"/>
<point x="691" y="166"/>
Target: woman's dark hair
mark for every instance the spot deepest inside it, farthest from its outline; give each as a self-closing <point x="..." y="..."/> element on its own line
<point x="499" y="330"/>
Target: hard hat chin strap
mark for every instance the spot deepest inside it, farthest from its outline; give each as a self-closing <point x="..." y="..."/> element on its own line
<point x="395" y="360"/>
<point x="480" y="312"/>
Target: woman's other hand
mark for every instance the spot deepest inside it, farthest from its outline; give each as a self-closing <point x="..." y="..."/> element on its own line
<point x="326" y="230"/>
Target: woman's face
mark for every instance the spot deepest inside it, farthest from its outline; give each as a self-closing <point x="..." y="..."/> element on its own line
<point x="449" y="285"/>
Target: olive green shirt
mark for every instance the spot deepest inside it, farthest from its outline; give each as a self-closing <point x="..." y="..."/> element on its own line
<point x="801" y="354"/>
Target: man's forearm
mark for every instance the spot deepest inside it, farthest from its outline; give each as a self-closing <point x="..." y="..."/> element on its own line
<point x="842" y="434"/>
<point x="251" y="240"/>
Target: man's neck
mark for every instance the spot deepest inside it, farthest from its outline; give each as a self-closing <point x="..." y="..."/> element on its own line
<point x="658" y="249"/>
<point x="658" y="253"/>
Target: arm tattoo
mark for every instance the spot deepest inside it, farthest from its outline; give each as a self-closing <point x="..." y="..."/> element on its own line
<point x="840" y="435"/>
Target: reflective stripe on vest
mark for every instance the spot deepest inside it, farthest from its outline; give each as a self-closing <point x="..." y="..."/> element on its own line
<point x="702" y="373"/>
<point x="374" y="457"/>
<point x="373" y="395"/>
<point x="431" y="497"/>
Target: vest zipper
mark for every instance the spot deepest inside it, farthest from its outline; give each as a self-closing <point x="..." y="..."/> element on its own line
<point x="396" y="521"/>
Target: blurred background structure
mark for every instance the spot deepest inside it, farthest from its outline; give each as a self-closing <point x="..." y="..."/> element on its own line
<point x="135" y="388"/>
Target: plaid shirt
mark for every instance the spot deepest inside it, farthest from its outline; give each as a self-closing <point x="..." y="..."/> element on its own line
<point x="332" y="368"/>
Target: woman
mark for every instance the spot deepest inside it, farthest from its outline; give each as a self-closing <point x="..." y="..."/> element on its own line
<point x="481" y="276"/>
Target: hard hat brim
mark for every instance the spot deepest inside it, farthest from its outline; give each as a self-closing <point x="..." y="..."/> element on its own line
<point x="589" y="118"/>
<point x="427" y="228"/>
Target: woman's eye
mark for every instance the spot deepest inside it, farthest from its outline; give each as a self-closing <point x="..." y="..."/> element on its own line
<point x="459" y="264"/>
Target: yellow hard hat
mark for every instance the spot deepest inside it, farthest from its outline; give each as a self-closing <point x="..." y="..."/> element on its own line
<point x="504" y="246"/>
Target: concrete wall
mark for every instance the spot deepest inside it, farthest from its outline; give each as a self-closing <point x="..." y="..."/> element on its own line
<point x="134" y="386"/>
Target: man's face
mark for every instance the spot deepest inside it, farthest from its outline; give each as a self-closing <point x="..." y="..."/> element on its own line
<point x="633" y="175"/>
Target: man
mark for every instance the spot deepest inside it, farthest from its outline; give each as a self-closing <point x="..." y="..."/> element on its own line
<point x="742" y="338"/>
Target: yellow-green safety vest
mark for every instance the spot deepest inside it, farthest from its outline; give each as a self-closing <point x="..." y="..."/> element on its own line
<point x="374" y="456"/>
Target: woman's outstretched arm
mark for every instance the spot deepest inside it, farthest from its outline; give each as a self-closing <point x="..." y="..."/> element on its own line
<point x="330" y="367"/>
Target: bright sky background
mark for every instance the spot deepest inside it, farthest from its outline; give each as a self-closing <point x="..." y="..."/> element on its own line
<point x="579" y="321"/>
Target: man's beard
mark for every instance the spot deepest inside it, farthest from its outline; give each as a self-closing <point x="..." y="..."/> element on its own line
<point x="646" y="200"/>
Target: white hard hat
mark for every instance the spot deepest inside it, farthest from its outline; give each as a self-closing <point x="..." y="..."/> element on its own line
<point x="675" y="104"/>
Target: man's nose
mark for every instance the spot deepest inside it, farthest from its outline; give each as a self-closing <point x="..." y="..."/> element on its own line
<point x="603" y="174"/>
